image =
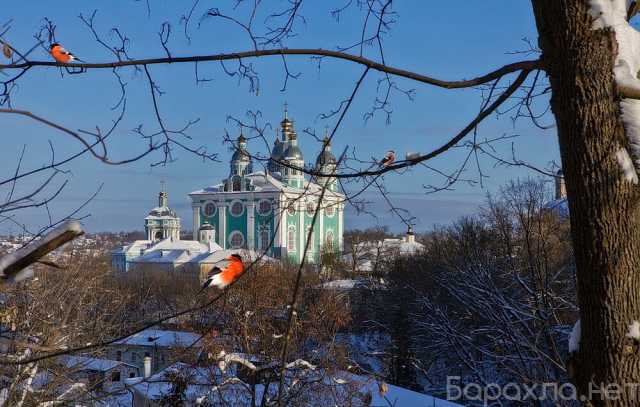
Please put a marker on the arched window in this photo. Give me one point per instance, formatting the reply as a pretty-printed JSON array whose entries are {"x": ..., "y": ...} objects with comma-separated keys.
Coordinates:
[
  {"x": 264, "y": 207},
  {"x": 237, "y": 208},
  {"x": 311, "y": 208},
  {"x": 291, "y": 239},
  {"x": 330, "y": 210},
  {"x": 236, "y": 239},
  {"x": 264, "y": 239},
  {"x": 209, "y": 209},
  {"x": 291, "y": 208},
  {"x": 310, "y": 238},
  {"x": 329, "y": 242},
  {"x": 237, "y": 186}
]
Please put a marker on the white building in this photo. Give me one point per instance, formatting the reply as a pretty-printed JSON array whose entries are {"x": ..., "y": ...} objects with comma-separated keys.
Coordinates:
[
  {"x": 365, "y": 256},
  {"x": 163, "y": 347},
  {"x": 103, "y": 374}
]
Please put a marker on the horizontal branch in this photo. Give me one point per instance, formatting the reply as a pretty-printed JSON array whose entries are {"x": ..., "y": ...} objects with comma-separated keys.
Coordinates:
[
  {"x": 506, "y": 69},
  {"x": 12, "y": 264},
  {"x": 629, "y": 92},
  {"x": 511, "y": 89}
]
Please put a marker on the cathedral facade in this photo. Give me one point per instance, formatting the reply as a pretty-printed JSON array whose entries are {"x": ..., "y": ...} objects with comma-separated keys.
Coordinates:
[{"x": 272, "y": 210}]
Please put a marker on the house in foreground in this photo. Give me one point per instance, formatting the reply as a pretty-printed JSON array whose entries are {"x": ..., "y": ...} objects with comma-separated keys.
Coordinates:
[
  {"x": 310, "y": 386},
  {"x": 163, "y": 347},
  {"x": 98, "y": 374}
]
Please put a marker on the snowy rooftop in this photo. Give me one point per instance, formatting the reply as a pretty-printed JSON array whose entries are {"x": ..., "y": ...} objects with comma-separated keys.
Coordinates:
[
  {"x": 161, "y": 338},
  {"x": 262, "y": 182},
  {"x": 201, "y": 380},
  {"x": 88, "y": 363}
]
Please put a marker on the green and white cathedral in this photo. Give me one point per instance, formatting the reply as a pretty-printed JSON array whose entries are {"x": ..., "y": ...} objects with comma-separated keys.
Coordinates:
[{"x": 272, "y": 210}]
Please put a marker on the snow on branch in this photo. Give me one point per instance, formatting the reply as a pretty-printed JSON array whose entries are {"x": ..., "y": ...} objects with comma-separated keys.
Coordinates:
[
  {"x": 13, "y": 266},
  {"x": 225, "y": 358},
  {"x": 300, "y": 364}
]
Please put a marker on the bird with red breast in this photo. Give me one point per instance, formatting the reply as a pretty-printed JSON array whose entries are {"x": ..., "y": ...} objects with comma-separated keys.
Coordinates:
[
  {"x": 388, "y": 159},
  {"x": 60, "y": 54},
  {"x": 223, "y": 277}
]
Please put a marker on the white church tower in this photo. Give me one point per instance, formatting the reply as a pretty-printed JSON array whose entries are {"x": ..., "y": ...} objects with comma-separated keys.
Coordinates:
[{"x": 162, "y": 222}]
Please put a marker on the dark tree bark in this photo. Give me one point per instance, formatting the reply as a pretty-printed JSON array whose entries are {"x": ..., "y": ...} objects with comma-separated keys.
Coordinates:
[{"x": 604, "y": 208}]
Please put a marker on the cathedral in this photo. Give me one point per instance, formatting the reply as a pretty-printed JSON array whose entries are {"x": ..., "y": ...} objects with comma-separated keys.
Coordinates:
[
  {"x": 266, "y": 211},
  {"x": 272, "y": 210}
]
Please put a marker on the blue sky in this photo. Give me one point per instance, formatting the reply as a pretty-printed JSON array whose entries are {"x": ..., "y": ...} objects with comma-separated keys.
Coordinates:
[{"x": 440, "y": 39}]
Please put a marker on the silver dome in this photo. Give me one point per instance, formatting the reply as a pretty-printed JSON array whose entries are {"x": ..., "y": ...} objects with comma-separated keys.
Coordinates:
[
  {"x": 206, "y": 226},
  {"x": 325, "y": 157},
  {"x": 276, "y": 153},
  {"x": 240, "y": 155},
  {"x": 293, "y": 152}
]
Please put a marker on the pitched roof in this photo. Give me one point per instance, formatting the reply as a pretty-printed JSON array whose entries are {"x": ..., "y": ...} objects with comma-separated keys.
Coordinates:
[
  {"x": 89, "y": 363},
  {"x": 161, "y": 338}
]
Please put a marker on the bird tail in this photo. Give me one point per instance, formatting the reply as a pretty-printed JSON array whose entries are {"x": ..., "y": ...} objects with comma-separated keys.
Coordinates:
[
  {"x": 75, "y": 58},
  {"x": 211, "y": 279}
]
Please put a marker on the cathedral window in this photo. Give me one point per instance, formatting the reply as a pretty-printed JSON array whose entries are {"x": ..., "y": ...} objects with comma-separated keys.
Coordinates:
[
  {"x": 330, "y": 210},
  {"x": 291, "y": 239},
  {"x": 237, "y": 208},
  {"x": 311, "y": 208},
  {"x": 264, "y": 239},
  {"x": 209, "y": 209},
  {"x": 291, "y": 208},
  {"x": 329, "y": 242},
  {"x": 236, "y": 239},
  {"x": 237, "y": 185},
  {"x": 264, "y": 207}
]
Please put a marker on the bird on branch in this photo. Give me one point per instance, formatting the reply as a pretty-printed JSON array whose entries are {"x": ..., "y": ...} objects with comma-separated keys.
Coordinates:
[
  {"x": 223, "y": 277},
  {"x": 388, "y": 159},
  {"x": 7, "y": 51},
  {"x": 60, "y": 54}
]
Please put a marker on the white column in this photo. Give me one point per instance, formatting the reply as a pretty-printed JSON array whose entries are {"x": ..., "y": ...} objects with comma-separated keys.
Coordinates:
[
  {"x": 251, "y": 205},
  {"x": 283, "y": 226},
  {"x": 222, "y": 223},
  {"x": 340, "y": 209},
  {"x": 277, "y": 239},
  {"x": 196, "y": 221},
  {"x": 302, "y": 231},
  {"x": 321, "y": 230}
]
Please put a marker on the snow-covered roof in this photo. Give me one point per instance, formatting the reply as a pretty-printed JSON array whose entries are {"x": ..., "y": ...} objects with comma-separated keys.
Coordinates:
[
  {"x": 162, "y": 212},
  {"x": 168, "y": 250},
  {"x": 209, "y": 383},
  {"x": 161, "y": 338},
  {"x": 265, "y": 182},
  {"x": 89, "y": 363},
  {"x": 394, "y": 395}
]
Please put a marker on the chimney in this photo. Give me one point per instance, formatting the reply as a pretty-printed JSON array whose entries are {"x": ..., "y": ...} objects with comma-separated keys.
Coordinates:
[
  {"x": 411, "y": 238},
  {"x": 147, "y": 366}
]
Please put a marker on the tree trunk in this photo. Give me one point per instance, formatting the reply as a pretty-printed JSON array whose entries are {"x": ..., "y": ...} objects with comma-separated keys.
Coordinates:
[{"x": 604, "y": 208}]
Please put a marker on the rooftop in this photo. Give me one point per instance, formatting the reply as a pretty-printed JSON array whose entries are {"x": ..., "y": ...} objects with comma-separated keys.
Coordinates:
[
  {"x": 161, "y": 338},
  {"x": 89, "y": 363}
]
